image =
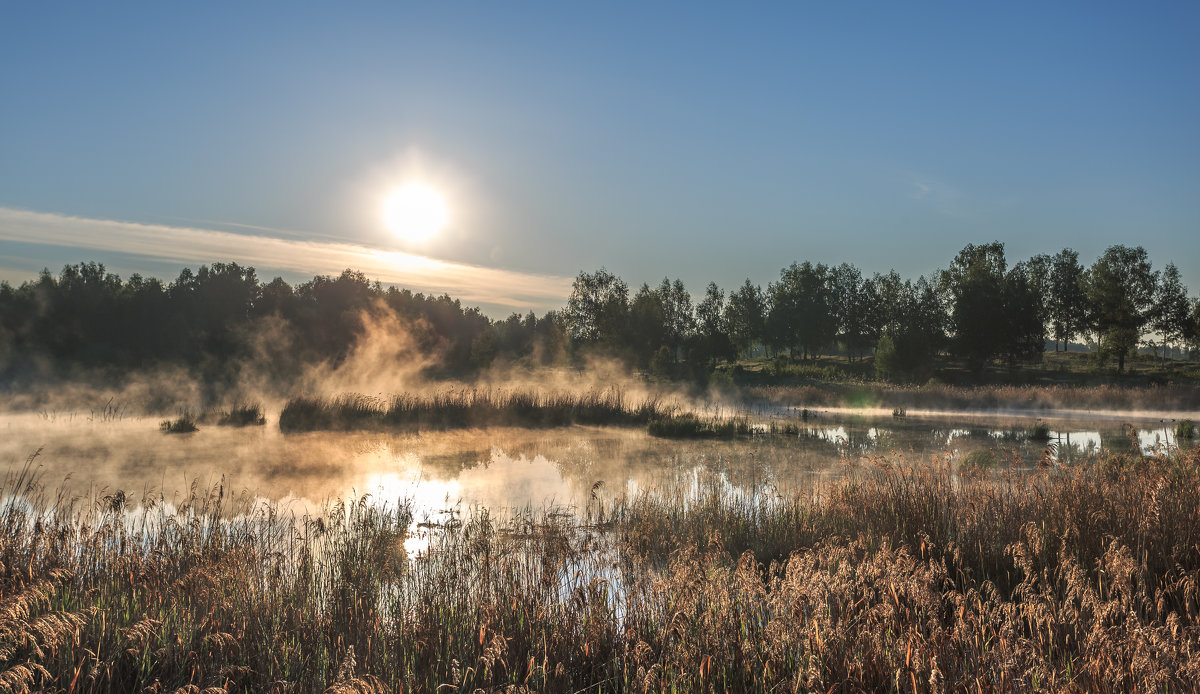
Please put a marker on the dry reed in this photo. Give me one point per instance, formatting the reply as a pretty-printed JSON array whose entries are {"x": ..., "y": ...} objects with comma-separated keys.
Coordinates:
[{"x": 896, "y": 577}]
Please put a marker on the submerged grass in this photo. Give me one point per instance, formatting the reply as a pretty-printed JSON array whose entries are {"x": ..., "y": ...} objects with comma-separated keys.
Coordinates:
[
  {"x": 471, "y": 407},
  {"x": 897, "y": 577}
]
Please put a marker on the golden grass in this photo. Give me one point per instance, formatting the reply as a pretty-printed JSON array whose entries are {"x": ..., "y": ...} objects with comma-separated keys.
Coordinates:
[{"x": 897, "y": 577}]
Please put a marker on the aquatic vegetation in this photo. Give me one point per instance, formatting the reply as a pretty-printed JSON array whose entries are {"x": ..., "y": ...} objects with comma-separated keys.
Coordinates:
[
  {"x": 184, "y": 424},
  {"x": 687, "y": 425},
  {"x": 1185, "y": 430},
  {"x": 1038, "y": 432},
  {"x": 899, "y": 572},
  {"x": 471, "y": 407},
  {"x": 242, "y": 415}
]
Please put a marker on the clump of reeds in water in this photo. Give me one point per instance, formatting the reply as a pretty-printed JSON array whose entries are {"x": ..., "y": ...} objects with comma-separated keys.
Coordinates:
[
  {"x": 242, "y": 415},
  {"x": 185, "y": 423},
  {"x": 897, "y": 577},
  {"x": 1038, "y": 432},
  {"x": 691, "y": 426},
  {"x": 1185, "y": 430},
  {"x": 470, "y": 407}
]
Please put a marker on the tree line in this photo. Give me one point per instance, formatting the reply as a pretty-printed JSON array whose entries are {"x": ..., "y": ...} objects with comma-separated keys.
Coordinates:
[{"x": 979, "y": 309}]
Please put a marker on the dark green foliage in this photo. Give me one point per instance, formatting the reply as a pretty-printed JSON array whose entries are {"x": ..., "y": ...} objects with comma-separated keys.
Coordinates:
[
  {"x": 745, "y": 316},
  {"x": 216, "y": 321},
  {"x": 1171, "y": 315},
  {"x": 597, "y": 311},
  {"x": 648, "y": 333},
  {"x": 1185, "y": 429},
  {"x": 801, "y": 318},
  {"x": 712, "y": 342},
  {"x": 1024, "y": 336},
  {"x": 213, "y": 318},
  {"x": 1121, "y": 289},
  {"x": 978, "y": 318},
  {"x": 1066, "y": 300}
]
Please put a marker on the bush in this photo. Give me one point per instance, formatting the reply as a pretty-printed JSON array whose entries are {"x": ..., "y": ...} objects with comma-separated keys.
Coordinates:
[{"x": 1185, "y": 430}]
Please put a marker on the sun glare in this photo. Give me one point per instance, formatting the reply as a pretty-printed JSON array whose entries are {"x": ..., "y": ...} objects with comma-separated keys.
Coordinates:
[{"x": 416, "y": 212}]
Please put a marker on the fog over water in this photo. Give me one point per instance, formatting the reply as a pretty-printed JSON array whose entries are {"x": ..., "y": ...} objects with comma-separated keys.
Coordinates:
[{"x": 501, "y": 468}]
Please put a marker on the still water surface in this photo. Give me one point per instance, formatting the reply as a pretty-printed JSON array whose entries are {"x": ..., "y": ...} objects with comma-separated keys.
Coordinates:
[{"x": 505, "y": 468}]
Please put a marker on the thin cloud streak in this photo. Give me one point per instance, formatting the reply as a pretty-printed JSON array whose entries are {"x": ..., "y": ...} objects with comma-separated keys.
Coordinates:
[{"x": 190, "y": 245}]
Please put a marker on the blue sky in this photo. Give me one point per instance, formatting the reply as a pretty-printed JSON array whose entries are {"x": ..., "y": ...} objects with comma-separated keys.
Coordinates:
[{"x": 707, "y": 142}]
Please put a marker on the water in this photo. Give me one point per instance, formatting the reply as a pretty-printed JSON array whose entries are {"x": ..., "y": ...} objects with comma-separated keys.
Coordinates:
[{"x": 513, "y": 468}]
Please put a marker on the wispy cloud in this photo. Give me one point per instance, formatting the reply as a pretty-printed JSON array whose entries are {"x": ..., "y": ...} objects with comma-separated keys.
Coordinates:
[
  {"x": 942, "y": 197},
  {"x": 190, "y": 246}
]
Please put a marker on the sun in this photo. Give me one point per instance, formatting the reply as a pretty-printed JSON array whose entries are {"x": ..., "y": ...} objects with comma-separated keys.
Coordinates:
[{"x": 416, "y": 212}]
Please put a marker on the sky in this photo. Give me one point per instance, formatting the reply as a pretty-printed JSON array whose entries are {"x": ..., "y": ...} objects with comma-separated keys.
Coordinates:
[{"x": 704, "y": 141}]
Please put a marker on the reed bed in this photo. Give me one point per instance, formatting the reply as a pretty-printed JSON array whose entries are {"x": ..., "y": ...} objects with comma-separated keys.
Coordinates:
[
  {"x": 690, "y": 426},
  {"x": 240, "y": 415},
  {"x": 471, "y": 407},
  {"x": 896, "y": 577}
]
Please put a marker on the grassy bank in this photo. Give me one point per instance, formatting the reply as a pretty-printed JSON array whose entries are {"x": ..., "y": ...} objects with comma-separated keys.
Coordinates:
[
  {"x": 897, "y": 577},
  {"x": 470, "y": 407},
  {"x": 980, "y": 398}
]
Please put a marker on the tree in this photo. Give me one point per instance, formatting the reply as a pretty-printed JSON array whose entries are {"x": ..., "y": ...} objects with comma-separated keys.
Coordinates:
[
  {"x": 1025, "y": 327},
  {"x": 801, "y": 314},
  {"x": 915, "y": 331},
  {"x": 745, "y": 316},
  {"x": 1067, "y": 301},
  {"x": 928, "y": 314},
  {"x": 853, "y": 298},
  {"x": 678, "y": 319},
  {"x": 975, "y": 282},
  {"x": 1193, "y": 336},
  {"x": 1038, "y": 270},
  {"x": 647, "y": 322},
  {"x": 712, "y": 330},
  {"x": 1172, "y": 310},
  {"x": 886, "y": 311},
  {"x": 598, "y": 310},
  {"x": 1121, "y": 288}
]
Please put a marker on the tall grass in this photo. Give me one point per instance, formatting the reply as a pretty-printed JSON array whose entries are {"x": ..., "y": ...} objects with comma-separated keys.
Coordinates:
[
  {"x": 897, "y": 577},
  {"x": 241, "y": 415},
  {"x": 690, "y": 426},
  {"x": 470, "y": 407}
]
